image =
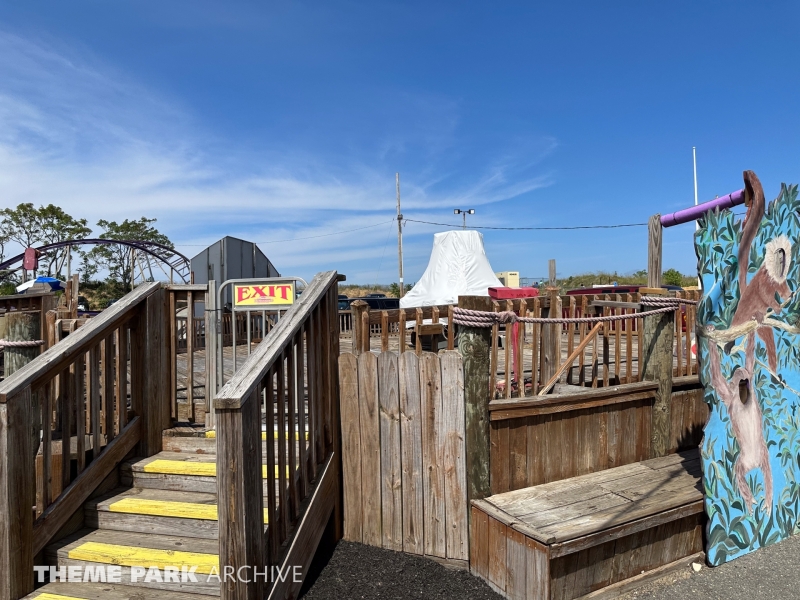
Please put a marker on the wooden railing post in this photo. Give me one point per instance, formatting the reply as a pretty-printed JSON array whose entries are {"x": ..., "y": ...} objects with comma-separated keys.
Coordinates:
[
  {"x": 474, "y": 344},
  {"x": 150, "y": 373},
  {"x": 241, "y": 506},
  {"x": 657, "y": 358},
  {"x": 358, "y": 308},
  {"x": 17, "y": 496},
  {"x": 654, "y": 248},
  {"x": 212, "y": 323}
]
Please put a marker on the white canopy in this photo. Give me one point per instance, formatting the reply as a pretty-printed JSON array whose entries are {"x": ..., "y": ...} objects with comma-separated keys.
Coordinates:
[{"x": 458, "y": 267}]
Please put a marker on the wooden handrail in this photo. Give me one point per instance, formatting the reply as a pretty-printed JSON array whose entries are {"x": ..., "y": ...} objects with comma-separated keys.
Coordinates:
[
  {"x": 37, "y": 372},
  {"x": 240, "y": 387}
]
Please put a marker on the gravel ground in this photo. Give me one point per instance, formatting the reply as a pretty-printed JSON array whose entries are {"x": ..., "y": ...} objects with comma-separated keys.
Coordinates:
[
  {"x": 357, "y": 571},
  {"x": 362, "y": 572},
  {"x": 772, "y": 573}
]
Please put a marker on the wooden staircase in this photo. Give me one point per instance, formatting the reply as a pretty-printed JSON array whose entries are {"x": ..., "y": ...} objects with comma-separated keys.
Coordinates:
[{"x": 164, "y": 516}]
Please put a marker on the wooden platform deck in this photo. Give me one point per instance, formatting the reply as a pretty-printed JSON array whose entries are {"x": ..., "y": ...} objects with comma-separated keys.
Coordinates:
[{"x": 593, "y": 533}]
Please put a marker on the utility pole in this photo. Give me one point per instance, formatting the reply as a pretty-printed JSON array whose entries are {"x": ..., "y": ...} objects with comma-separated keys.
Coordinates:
[{"x": 399, "y": 235}]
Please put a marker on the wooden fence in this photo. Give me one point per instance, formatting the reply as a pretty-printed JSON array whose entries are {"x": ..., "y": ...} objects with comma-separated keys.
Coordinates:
[
  {"x": 528, "y": 355},
  {"x": 289, "y": 384},
  {"x": 390, "y": 326},
  {"x": 404, "y": 453},
  {"x": 564, "y": 435},
  {"x": 101, "y": 392}
]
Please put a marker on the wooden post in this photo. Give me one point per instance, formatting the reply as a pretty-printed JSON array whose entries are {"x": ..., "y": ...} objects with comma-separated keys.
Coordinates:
[
  {"x": 358, "y": 308},
  {"x": 239, "y": 481},
  {"x": 654, "y": 244},
  {"x": 17, "y": 497},
  {"x": 551, "y": 337},
  {"x": 657, "y": 358},
  {"x": 21, "y": 326},
  {"x": 474, "y": 344},
  {"x": 156, "y": 400},
  {"x": 213, "y": 325}
]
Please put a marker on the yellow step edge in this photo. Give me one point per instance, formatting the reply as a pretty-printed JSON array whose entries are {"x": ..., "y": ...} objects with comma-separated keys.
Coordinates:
[
  {"x": 165, "y": 508},
  {"x": 211, "y": 434},
  {"x": 132, "y": 556},
  {"x": 49, "y": 596},
  {"x": 201, "y": 469}
]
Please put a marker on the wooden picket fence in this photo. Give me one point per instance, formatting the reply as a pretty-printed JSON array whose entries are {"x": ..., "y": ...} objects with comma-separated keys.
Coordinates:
[{"x": 403, "y": 452}]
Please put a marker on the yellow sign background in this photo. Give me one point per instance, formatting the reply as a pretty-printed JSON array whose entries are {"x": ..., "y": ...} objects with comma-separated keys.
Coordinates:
[{"x": 264, "y": 295}]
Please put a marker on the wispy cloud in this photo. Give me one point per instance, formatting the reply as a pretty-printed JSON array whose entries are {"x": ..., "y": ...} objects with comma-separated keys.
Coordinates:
[{"x": 78, "y": 133}]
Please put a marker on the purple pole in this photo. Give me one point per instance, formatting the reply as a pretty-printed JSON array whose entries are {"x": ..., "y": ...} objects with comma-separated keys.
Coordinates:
[{"x": 695, "y": 212}]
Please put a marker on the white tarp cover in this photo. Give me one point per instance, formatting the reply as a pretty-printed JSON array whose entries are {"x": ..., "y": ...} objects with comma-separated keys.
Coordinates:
[{"x": 458, "y": 267}]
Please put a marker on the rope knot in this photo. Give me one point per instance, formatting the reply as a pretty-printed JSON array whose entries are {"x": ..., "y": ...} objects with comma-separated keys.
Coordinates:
[{"x": 507, "y": 316}]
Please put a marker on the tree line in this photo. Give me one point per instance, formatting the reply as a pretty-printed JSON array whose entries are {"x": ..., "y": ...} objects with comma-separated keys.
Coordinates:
[{"x": 29, "y": 227}]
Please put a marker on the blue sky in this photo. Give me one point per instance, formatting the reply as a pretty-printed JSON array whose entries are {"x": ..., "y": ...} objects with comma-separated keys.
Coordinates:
[{"x": 274, "y": 121}]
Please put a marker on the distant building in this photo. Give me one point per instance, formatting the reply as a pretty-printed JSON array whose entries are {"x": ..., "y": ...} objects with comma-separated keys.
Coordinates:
[
  {"x": 231, "y": 258},
  {"x": 508, "y": 278}
]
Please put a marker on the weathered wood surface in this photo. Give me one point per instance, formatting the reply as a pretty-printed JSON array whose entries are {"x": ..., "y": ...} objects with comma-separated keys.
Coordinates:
[
  {"x": 410, "y": 431},
  {"x": 21, "y": 326},
  {"x": 585, "y": 534},
  {"x": 390, "y": 463},
  {"x": 658, "y": 367},
  {"x": 565, "y": 435}
]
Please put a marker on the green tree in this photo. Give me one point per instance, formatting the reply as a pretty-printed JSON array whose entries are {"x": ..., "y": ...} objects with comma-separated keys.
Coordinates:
[
  {"x": 119, "y": 259},
  {"x": 394, "y": 290},
  {"x": 672, "y": 277},
  {"x": 29, "y": 226}
]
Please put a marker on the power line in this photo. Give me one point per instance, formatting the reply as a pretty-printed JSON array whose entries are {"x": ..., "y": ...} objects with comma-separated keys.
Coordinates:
[
  {"x": 533, "y": 228},
  {"x": 312, "y": 237}
]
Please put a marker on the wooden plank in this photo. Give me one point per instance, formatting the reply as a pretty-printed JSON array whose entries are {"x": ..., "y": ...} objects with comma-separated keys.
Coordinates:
[
  {"x": 351, "y": 446},
  {"x": 537, "y": 573},
  {"x": 384, "y": 331},
  {"x": 17, "y": 484},
  {"x": 606, "y": 353},
  {"x": 241, "y": 515},
  {"x": 595, "y": 362},
  {"x": 370, "y": 449},
  {"x": 66, "y": 410},
  {"x": 535, "y": 342},
  {"x": 272, "y": 509},
  {"x": 494, "y": 362},
  {"x": 509, "y": 343},
  {"x": 562, "y": 407},
  {"x": 450, "y": 329},
  {"x": 520, "y": 363},
  {"x": 516, "y": 565},
  {"x": 190, "y": 355},
  {"x": 411, "y": 459},
  {"x": 455, "y": 476},
  {"x": 93, "y": 397},
  {"x": 45, "y": 489},
  {"x": 432, "y": 455},
  {"x": 390, "y": 459},
  {"x": 418, "y": 329},
  {"x": 479, "y": 543},
  {"x": 107, "y": 367},
  {"x": 618, "y": 345},
  {"x": 303, "y": 415},
  {"x": 518, "y": 453},
  {"x": 282, "y": 525},
  {"x": 292, "y": 434},
  {"x": 497, "y": 554},
  {"x": 79, "y": 491},
  {"x": 500, "y": 458},
  {"x": 78, "y": 381},
  {"x": 402, "y": 330},
  {"x": 153, "y": 376}
]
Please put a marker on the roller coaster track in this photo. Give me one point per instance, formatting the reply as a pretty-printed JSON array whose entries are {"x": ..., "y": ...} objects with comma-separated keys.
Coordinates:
[{"x": 172, "y": 263}]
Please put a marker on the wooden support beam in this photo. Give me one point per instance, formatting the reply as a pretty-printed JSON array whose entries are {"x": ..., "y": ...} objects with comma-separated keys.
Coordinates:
[
  {"x": 659, "y": 331},
  {"x": 358, "y": 308},
  {"x": 17, "y": 476},
  {"x": 654, "y": 248},
  {"x": 474, "y": 344},
  {"x": 571, "y": 358}
]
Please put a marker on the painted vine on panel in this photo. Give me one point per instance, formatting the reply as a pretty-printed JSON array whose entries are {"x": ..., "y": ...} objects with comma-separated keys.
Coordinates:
[{"x": 747, "y": 324}]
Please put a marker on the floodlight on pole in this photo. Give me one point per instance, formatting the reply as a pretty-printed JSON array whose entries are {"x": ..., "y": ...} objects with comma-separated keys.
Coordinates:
[{"x": 464, "y": 212}]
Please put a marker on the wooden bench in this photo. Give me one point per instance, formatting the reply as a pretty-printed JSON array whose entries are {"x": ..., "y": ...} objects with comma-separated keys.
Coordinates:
[{"x": 591, "y": 536}]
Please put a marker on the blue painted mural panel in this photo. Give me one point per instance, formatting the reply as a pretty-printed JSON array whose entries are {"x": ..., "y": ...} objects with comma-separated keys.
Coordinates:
[{"x": 749, "y": 351}]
